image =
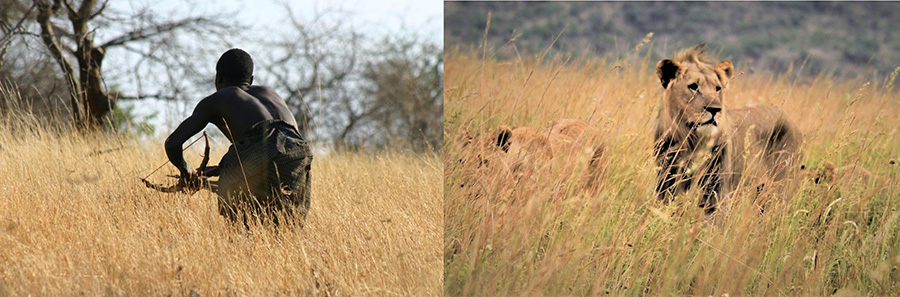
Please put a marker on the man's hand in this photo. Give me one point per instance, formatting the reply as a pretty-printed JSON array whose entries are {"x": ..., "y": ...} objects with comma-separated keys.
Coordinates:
[
  {"x": 190, "y": 182},
  {"x": 187, "y": 183}
]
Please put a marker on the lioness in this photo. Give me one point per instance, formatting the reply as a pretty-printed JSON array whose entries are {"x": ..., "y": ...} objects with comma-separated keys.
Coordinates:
[
  {"x": 700, "y": 141},
  {"x": 512, "y": 148},
  {"x": 569, "y": 137},
  {"x": 521, "y": 150}
]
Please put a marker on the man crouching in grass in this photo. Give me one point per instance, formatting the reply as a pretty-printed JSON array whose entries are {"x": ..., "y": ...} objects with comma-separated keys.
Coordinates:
[{"x": 266, "y": 169}]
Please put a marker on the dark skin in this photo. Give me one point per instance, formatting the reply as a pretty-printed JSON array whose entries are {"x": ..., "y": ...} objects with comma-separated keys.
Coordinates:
[{"x": 234, "y": 108}]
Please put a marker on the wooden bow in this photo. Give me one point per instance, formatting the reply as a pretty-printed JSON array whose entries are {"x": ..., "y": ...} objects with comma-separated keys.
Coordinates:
[{"x": 190, "y": 184}]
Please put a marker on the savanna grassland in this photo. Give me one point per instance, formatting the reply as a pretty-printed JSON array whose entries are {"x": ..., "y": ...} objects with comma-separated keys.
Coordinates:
[
  {"x": 541, "y": 233},
  {"x": 76, "y": 220}
]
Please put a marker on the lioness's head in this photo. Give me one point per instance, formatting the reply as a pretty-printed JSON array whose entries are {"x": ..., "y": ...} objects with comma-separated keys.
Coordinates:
[
  {"x": 821, "y": 174},
  {"x": 693, "y": 86},
  {"x": 510, "y": 145}
]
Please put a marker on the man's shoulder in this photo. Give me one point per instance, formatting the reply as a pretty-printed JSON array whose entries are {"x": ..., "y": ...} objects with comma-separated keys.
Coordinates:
[
  {"x": 264, "y": 92},
  {"x": 258, "y": 88},
  {"x": 235, "y": 93},
  {"x": 261, "y": 87},
  {"x": 221, "y": 93},
  {"x": 220, "y": 97},
  {"x": 231, "y": 92}
]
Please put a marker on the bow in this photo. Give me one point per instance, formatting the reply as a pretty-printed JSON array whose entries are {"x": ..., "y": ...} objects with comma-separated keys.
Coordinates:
[{"x": 190, "y": 184}]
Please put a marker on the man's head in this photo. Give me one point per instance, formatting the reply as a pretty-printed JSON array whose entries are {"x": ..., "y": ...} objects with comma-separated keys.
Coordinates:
[{"x": 235, "y": 67}]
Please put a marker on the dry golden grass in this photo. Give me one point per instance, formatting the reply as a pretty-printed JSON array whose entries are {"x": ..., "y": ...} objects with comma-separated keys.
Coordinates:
[
  {"x": 539, "y": 233},
  {"x": 74, "y": 222}
]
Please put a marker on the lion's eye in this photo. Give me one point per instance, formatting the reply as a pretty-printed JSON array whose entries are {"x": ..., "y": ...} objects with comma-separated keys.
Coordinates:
[
  {"x": 718, "y": 88},
  {"x": 693, "y": 86}
]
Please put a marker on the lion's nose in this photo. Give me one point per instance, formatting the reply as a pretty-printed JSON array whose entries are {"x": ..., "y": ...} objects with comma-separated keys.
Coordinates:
[{"x": 713, "y": 109}]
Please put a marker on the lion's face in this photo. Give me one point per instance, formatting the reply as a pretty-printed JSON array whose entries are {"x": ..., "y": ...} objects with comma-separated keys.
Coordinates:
[{"x": 693, "y": 91}]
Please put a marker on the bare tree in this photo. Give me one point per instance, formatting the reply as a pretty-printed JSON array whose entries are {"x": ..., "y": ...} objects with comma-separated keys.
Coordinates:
[
  {"x": 314, "y": 66},
  {"x": 28, "y": 80},
  {"x": 354, "y": 91},
  {"x": 9, "y": 30},
  {"x": 67, "y": 33},
  {"x": 404, "y": 80}
]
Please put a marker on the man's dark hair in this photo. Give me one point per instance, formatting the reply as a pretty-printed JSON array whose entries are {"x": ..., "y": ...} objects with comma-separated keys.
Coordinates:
[{"x": 235, "y": 66}]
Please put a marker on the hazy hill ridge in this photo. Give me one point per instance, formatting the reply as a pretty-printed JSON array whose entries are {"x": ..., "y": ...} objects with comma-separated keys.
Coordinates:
[{"x": 847, "y": 38}]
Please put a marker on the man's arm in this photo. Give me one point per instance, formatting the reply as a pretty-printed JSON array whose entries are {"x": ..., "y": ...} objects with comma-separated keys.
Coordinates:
[{"x": 190, "y": 126}]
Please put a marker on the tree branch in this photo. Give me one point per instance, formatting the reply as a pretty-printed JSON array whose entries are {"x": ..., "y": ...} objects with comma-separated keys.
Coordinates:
[
  {"x": 99, "y": 11},
  {"x": 7, "y": 40},
  {"x": 144, "y": 96},
  {"x": 68, "y": 6},
  {"x": 144, "y": 33},
  {"x": 148, "y": 56}
]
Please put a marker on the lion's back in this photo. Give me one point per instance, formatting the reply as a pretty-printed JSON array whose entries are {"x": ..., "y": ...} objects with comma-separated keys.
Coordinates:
[{"x": 768, "y": 125}]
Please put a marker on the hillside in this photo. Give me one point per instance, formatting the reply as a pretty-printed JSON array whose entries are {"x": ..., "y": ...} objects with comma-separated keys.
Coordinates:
[{"x": 850, "y": 39}]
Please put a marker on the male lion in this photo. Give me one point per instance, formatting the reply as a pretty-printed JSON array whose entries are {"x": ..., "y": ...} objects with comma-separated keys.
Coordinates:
[{"x": 700, "y": 141}]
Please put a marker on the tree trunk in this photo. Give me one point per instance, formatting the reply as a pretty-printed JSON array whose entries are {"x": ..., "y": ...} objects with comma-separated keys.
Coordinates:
[
  {"x": 99, "y": 102},
  {"x": 90, "y": 102},
  {"x": 45, "y": 11}
]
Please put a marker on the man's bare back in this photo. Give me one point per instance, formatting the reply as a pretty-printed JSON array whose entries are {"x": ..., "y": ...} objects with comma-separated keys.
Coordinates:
[
  {"x": 234, "y": 108},
  {"x": 242, "y": 107}
]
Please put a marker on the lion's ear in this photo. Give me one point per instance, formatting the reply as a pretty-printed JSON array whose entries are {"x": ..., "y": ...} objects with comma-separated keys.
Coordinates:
[
  {"x": 726, "y": 68},
  {"x": 667, "y": 70},
  {"x": 503, "y": 136}
]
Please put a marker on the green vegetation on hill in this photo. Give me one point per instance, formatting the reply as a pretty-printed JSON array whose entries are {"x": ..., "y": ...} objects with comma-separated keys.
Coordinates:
[{"x": 849, "y": 39}]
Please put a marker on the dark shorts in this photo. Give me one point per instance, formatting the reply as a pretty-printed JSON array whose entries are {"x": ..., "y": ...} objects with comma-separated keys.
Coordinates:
[{"x": 266, "y": 171}]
